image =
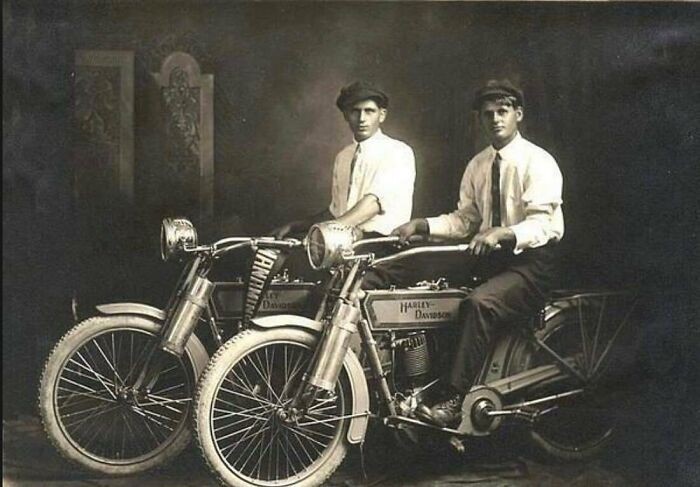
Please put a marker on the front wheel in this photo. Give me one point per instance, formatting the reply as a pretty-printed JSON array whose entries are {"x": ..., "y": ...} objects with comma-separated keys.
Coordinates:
[
  {"x": 242, "y": 420},
  {"x": 91, "y": 412}
]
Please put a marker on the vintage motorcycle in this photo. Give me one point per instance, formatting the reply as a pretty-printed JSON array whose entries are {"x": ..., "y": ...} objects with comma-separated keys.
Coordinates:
[
  {"x": 280, "y": 403},
  {"x": 116, "y": 391}
]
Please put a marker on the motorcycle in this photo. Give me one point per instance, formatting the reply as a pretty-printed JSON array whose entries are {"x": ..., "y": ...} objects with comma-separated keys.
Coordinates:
[
  {"x": 281, "y": 402},
  {"x": 116, "y": 391}
]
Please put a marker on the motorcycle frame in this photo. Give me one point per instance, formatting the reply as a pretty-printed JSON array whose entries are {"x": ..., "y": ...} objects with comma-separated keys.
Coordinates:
[{"x": 331, "y": 351}]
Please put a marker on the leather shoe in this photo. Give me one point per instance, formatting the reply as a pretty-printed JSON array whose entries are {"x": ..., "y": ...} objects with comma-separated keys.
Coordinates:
[{"x": 444, "y": 414}]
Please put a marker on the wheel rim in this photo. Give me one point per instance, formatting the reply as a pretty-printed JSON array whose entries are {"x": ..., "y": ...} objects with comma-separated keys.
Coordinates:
[
  {"x": 581, "y": 422},
  {"x": 249, "y": 434},
  {"x": 100, "y": 413}
]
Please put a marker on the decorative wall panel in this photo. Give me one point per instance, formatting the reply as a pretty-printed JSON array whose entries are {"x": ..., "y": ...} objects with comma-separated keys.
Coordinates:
[
  {"x": 104, "y": 128},
  {"x": 187, "y": 105}
]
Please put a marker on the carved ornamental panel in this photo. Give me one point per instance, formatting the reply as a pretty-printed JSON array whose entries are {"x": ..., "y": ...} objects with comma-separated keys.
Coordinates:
[
  {"x": 104, "y": 128},
  {"x": 187, "y": 106}
]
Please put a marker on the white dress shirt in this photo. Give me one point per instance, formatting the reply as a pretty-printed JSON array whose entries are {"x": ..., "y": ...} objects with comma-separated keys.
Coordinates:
[
  {"x": 385, "y": 168},
  {"x": 531, "y": 186}
]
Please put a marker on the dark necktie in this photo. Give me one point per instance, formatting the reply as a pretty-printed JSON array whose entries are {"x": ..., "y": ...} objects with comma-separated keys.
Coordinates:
[
  {"x": 355, "y": 157},
  {"x": 496, "y": 191}
]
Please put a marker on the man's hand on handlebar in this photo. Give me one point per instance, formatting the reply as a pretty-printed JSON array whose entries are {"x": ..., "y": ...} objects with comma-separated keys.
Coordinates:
[
  {"x": 289, "y": 229},
  {"x": 491, "y": 239},
  {"x": 417, "y": 226}
]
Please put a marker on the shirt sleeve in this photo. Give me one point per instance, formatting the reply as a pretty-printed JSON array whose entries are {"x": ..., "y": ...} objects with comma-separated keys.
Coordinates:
[
  {"x": 540, "y": 199},
  {"x": 464, "y": 222},
  {"x": 392, "y": 183},
  {"x": 334, "y": 206}
]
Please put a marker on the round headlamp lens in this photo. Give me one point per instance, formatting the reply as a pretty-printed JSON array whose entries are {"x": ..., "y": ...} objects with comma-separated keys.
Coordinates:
[
  {"x": 315, "y": 247},
  {"x": 327, "y": 243},
  {"x": 175, "y": 234}
]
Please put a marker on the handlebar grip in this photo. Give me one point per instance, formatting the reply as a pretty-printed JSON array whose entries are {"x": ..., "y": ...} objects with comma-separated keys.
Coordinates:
[{"x": 418, "y": 239}]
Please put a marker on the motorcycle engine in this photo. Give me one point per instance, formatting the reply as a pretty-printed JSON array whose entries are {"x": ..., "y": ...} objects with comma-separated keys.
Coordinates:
[{"x": 413, "y": 359}]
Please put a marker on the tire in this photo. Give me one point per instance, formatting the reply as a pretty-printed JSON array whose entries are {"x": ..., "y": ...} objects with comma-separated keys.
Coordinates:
[
  {"x": 221, "y": 403},
  {"x": 583, "y": 424},
  {"x": 83, "y": 400}
]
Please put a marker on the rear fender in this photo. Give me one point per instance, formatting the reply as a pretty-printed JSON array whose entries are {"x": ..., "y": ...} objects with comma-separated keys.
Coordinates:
[
  {"x": 509, "y": 345},
  {"x": 358, "y": 382}
]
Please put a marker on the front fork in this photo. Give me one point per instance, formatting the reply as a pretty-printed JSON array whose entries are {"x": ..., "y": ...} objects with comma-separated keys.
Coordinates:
[
  {"x": 328, "y": 358},
  {"x": 177, "y": 331}
]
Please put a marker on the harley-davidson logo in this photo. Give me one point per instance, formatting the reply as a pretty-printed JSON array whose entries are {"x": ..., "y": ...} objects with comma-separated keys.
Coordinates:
[
  {"x": 421, "y": 310},
  {"x": 283, "y": 301}
]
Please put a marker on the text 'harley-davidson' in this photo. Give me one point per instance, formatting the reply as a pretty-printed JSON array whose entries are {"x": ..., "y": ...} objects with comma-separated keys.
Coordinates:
[
  {"x": 116, "y": 392},
  {"x": 279, "y": 403}
]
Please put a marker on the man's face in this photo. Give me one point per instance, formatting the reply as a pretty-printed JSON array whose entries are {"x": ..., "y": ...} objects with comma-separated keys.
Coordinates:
[
  {"x": 500, "y": 122},
  {"x": 364, "y": 119}
]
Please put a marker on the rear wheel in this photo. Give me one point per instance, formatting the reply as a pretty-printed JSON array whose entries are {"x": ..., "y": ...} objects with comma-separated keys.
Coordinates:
[
  {"x": 90, "y": 411},
  {"x": 241, "y": 416},
  {"x": 590, "y": 339}
]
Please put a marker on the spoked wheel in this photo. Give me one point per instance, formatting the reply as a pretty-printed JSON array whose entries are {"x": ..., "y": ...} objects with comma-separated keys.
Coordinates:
[
  {"x": 92, "y": 413},
  {"x": 245, "y": 428},
  {"x": 589, "y": 339}
]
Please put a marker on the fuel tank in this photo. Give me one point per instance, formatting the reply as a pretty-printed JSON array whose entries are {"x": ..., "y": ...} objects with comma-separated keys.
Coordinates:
[
  {"x": 408, "y": 309},
  {"x": 228, "y": 299}
]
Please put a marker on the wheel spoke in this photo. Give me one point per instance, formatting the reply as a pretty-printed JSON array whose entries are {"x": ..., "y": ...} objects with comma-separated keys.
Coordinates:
[
  {"x": 598, "y": 365},
  {"x": 596, "y": 335},
  {"x": 138, "y": 360},
  {"x": 584, "y": 339},
  {"x": 105, "y": 409},
  {"x": 72, "y": 393},
  {"x": 262, "y": 375},
  {"x": 104, "y": 419},
  {"x": 98, "y": 376},
  {"x": 249, "y": 434},
  {"x": 296, "y": 435},
  {"x": 246, "y": 396}
]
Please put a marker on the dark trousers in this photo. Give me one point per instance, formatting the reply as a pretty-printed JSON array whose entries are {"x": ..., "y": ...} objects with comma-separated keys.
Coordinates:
[{"x": 515, "y": 286}]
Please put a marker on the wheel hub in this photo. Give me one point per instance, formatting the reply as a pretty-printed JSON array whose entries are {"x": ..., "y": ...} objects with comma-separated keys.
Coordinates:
[
  {"x": 288, "y": 416},
  {"x": 129, "y": 396}
]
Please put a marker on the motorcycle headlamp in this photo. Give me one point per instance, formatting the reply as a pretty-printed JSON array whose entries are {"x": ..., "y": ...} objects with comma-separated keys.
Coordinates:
[
  {"x": 175, "y": 234},
  {"x": 328, "y": 242}
]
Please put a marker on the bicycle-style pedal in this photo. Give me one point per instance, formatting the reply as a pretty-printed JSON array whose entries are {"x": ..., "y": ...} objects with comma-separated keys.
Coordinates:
[{"x": 457, "y": 444}]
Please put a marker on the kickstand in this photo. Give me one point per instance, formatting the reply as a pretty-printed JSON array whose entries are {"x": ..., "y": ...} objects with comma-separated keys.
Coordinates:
[{"x": 362, "y": 460}]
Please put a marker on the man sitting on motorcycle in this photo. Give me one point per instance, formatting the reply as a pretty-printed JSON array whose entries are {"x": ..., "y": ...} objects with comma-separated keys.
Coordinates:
[
  {"x": 510, "y": 211},
  {"x": 373, "y": 177}
]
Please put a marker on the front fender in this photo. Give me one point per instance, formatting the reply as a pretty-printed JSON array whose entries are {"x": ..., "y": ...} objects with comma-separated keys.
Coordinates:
[
  {"x": 358, "y": 381},
  {"x": 198, "y": 353},
  {"x": 296, "y": 321},
  {"x": 132, "y": 309}
]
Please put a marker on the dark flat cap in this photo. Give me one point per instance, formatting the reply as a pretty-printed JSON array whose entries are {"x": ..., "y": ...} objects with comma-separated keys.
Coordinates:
[
  {"x": 494, "y": 88},
  {"x": 359, "y": 91}
]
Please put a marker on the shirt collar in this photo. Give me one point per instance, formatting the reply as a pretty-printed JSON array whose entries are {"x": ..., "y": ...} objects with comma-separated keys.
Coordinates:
[
  {"x": 378, "y": 135},
  {"x": 509, "y": 148}
]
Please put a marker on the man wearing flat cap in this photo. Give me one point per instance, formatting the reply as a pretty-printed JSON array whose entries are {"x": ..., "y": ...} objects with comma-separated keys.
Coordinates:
[
  {"x": 510, "y": 211},
  {"x": 373, "y": 177}
]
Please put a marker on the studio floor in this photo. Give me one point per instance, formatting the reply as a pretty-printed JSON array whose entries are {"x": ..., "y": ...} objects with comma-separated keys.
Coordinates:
[{"x": 30, "y": 461}]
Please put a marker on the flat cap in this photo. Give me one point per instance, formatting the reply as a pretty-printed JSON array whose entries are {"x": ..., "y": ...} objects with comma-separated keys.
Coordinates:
[
  {"x": 495, "y": 88},
  {"x": 359, "y": 91}
]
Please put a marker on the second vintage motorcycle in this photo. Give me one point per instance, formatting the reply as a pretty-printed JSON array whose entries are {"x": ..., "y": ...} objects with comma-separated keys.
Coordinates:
[
  {"x": 116, "y": 392},
  {"x": 280, "y": 403}
]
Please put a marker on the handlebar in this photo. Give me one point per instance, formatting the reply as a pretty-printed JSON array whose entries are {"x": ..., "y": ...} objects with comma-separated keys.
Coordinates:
[
  {"x": 428, "y": 249},
  {"x": 431, "y": 249},
  {"x": 229, "y": 244},
  {"x": 392, "y": 239}
]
